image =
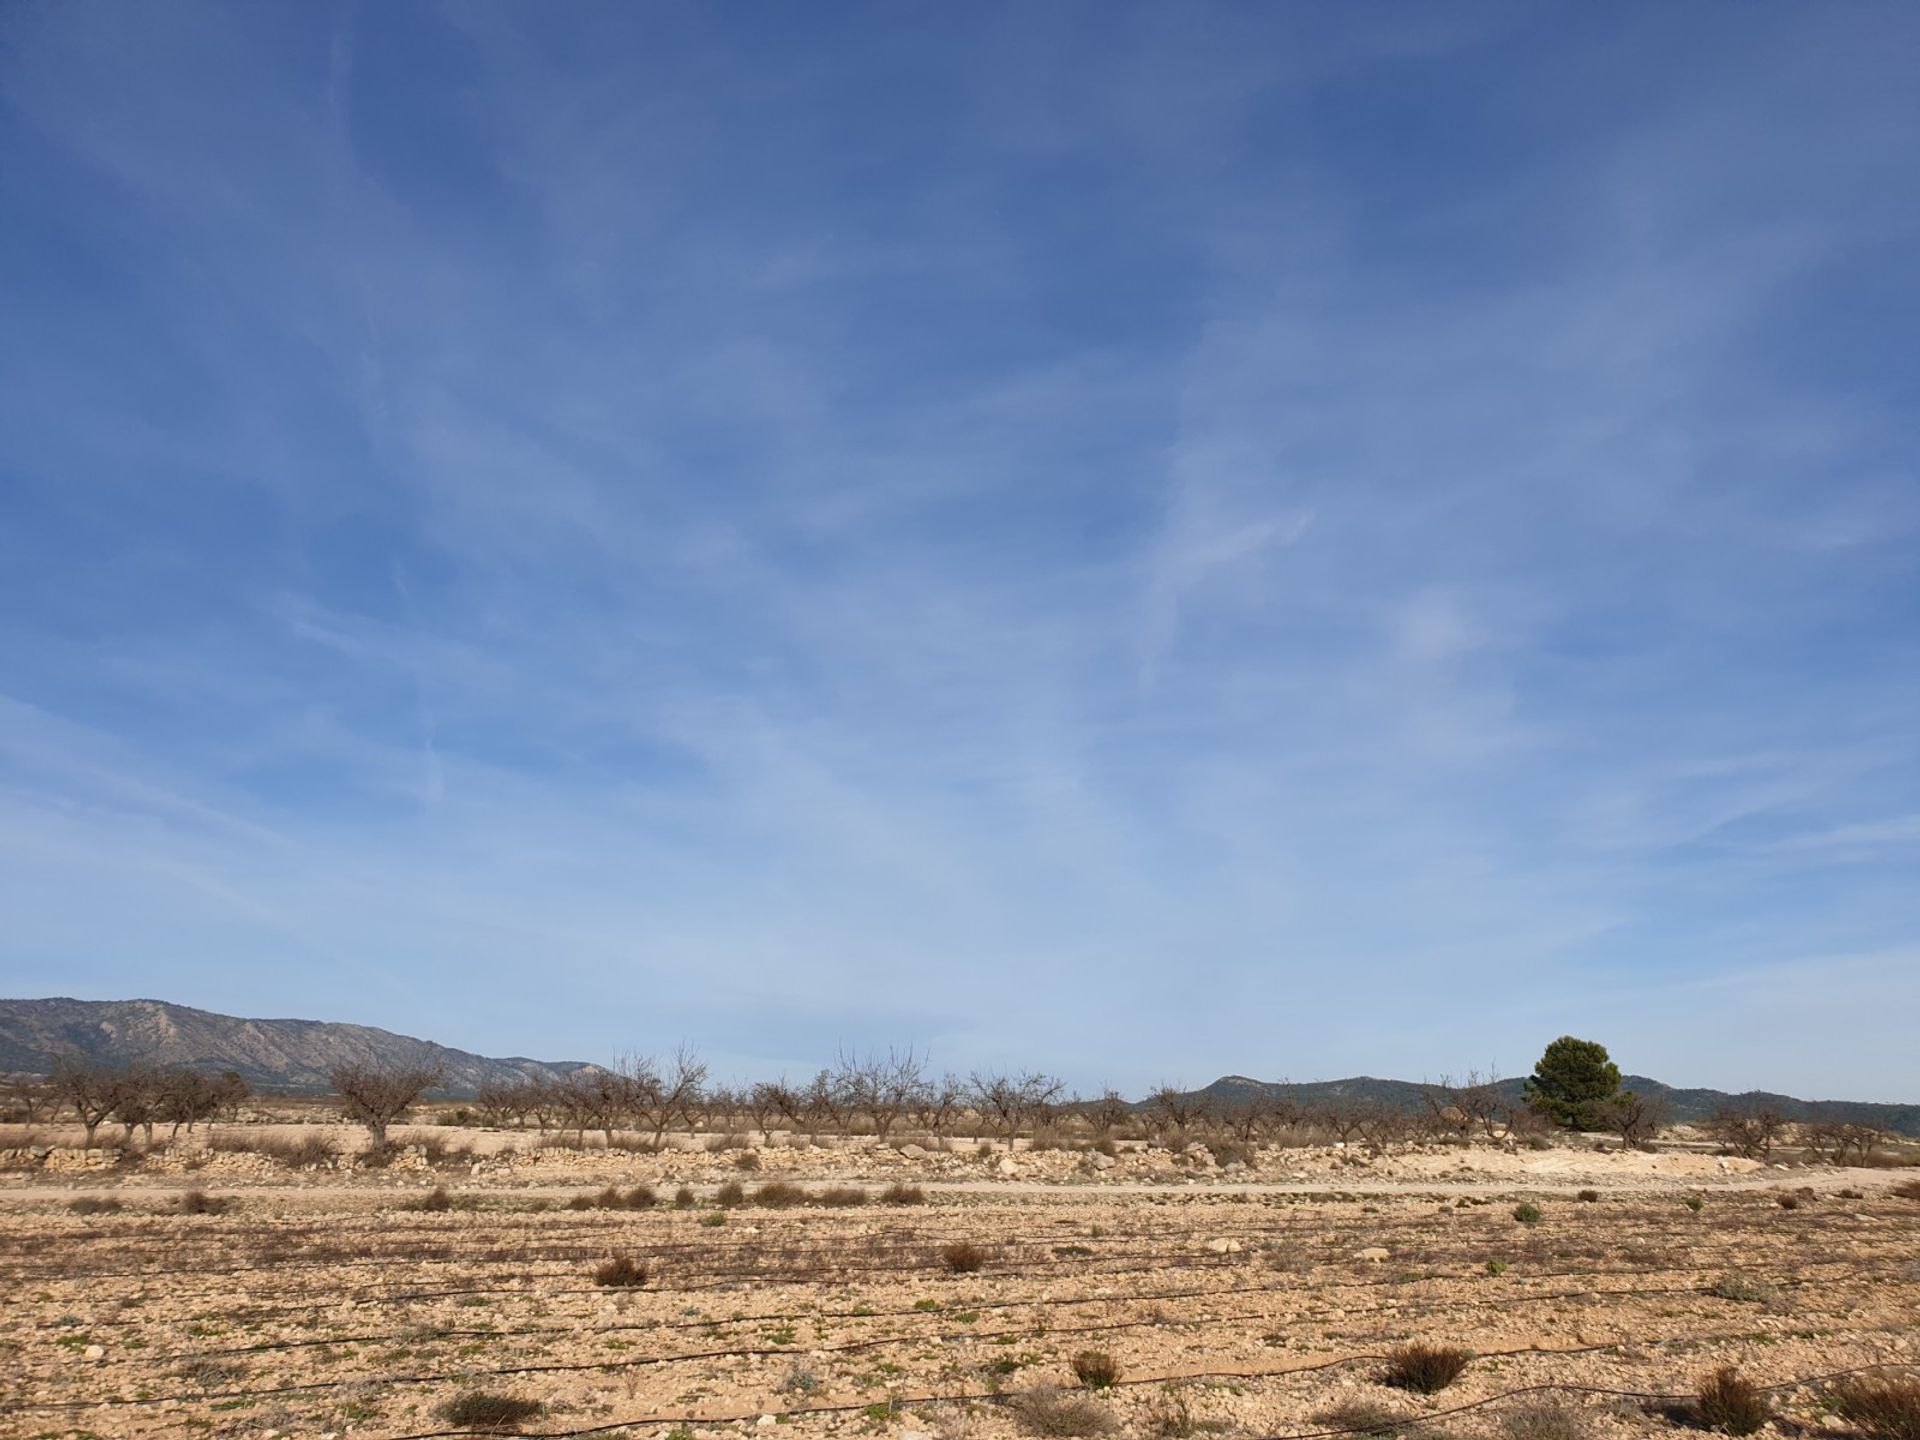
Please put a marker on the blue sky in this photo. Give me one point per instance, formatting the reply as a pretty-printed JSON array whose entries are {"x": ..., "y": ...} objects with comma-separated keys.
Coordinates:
[{"x": 1143, "y": 540}]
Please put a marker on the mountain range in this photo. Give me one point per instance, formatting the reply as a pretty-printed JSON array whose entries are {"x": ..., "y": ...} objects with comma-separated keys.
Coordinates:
[
  {"x": 287, "y": 1055},
  {"x": 296, "y": 1055}
]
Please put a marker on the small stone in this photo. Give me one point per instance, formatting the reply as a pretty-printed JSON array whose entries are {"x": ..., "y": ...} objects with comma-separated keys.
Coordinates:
[
  {"x": 1373, "y": 1254},
  {"x": 1224, "y": 1246},
  {"x": 765, "y": 1420},
  {"x": 913, "y": 1152},
  {"x": 94, "y": 1352}
]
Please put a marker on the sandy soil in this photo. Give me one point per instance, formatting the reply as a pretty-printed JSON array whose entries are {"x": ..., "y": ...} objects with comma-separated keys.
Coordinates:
[{"x": 323, "y": 1304}]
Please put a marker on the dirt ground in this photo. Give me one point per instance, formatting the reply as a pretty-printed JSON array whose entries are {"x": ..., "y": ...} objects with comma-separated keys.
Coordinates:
[{"x": 1258, "y": 1304}]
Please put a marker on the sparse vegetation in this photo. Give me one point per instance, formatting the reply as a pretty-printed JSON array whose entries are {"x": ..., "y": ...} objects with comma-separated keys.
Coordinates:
[
  {"x": 963, "y": 1257},
  {"x": 1095, "y": 1369},
  {"x": 490, "y": 1414},
  {"x": 1527, "y": 1213},
  {"x": 1424, "y": 1368},
  {"x": 1734, "y": 1285},
  {"x": 1363, "y": 1417},
  {"x": 1730, "y": 1403},
  {"x": 1545, "y": 1420},
  {"x": 198, "y": 1202},
  {"x": 1879, "y": 1407},
  {"x": 621, "y": 1273},
  {"x": 779, "y": 1195},
  {"x": 899, "y": 1194},
  {"x": 1059, "y": 1413}
]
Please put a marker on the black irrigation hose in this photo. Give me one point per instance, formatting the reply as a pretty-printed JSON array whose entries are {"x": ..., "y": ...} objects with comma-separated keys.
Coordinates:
[
  {"x": 815, "y": 1317},
  {"x": 1644, "y": 1396},
  {"x": 1263, "y": 1230},
  {"x": 661, "y": 1251},
  {"x": 753, "y": 1352}
]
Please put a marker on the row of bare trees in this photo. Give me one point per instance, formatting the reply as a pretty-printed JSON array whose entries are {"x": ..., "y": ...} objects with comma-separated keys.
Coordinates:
[
  {"x": 135, "y": 1097},
  {"x": 1753, "y": 1128},
  {"x": 880, "y": 1093},
  {"x": 872, "y": 1094}
]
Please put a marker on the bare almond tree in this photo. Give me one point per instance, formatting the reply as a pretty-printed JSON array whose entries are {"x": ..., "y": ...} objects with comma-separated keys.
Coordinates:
[
  {"x": 662, "y": 1093},
  {"x": 1006, "y": 1102},
  {"x": 375, "y": 1096},
  {"x": 881, "y": 1087},
  {"x": 1748, "y": 1128},
  {"x": 186, "y": 1098},
  {"x": 1634, "y": 1117},
  {"x": 92, "y": 1090}
]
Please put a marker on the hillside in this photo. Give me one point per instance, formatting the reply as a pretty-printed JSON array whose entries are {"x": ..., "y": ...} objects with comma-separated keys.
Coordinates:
[
  {"x": 289, "y": 1055},
  {"x": 1688, "y": 1105}
]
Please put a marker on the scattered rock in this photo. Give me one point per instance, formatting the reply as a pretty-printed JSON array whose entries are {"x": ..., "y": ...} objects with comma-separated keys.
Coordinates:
[
  {"x": 94, "y": 1352},
  {"x": 1374, "y": 1254},
  {"x": 1224, "y": 1246}
]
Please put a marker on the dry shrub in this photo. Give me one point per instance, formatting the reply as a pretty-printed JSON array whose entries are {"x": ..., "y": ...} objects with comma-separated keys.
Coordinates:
[
  {"x": 435, "y": 1199},
  {"x": 1095, "y": 1369},
  {"x": 683, "y": 1198},
  {"x": 898, "y": 1194},
  {"x": 1170, "y": 1416},
  {"x": 301, "y": 1154},
  {"x": 1363, "y": 1417},
  {"x": 1059, "y": 1413},
  {"x": 1788, "y": 1202},
  {"x": 963, "y": 1257},
  {"x": 1423, "y": 1368},
  {"x": 1546, "y": 1420},
  {"x": 779, "y": 1195},
  {"x": 495, "y": 1414},
  {"x": 1527, "y": 1213},
  {"x": 1589, "y": 1196},
  {"x": 640, "y": 1197},
  {"x": 842, "y": 1197},
  {"x": 623, "y": 1273},
  {"x": 198, "y": 1202},
  {"x": 1884, "y": 1409},
  {"x": 730, "y": 1194},
  {"x": 1735, "y": 1286},
  {"x": 95, "y": 1205},
  {"x": 1731, "y": 1403}
]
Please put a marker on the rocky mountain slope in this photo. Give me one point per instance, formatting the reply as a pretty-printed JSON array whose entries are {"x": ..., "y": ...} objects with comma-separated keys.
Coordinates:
[{"x": 272, "y": 1054}]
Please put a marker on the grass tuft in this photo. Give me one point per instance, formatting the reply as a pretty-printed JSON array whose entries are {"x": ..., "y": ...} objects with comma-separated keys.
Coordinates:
[
  {"x": 1731, "y": 1403},
  {"x": 1096, "y": 1370},
  {"x": 1423, "y": 1368},
  {"x": 1059, "y": 1413},
  {"x": 493, "y": 1414},
  {"x": 1883, "y": 1409},
  {"x": 621, "y": 1273},
  {"x": 963, "y": 1257}
]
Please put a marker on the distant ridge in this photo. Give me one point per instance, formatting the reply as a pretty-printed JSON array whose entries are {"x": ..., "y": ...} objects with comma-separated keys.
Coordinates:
[
  {"x": 289, "y": 1055},
  {"x": 1687, "y": 1104},
  {"x": 295, "y": 1056}
]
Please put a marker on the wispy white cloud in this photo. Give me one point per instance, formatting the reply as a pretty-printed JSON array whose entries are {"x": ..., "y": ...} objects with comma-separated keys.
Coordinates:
[{"x": 1114, "y": 562}]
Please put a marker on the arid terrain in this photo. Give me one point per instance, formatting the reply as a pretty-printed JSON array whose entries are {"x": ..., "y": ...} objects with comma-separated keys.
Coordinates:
[{"x": 309, "y": 1302}]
